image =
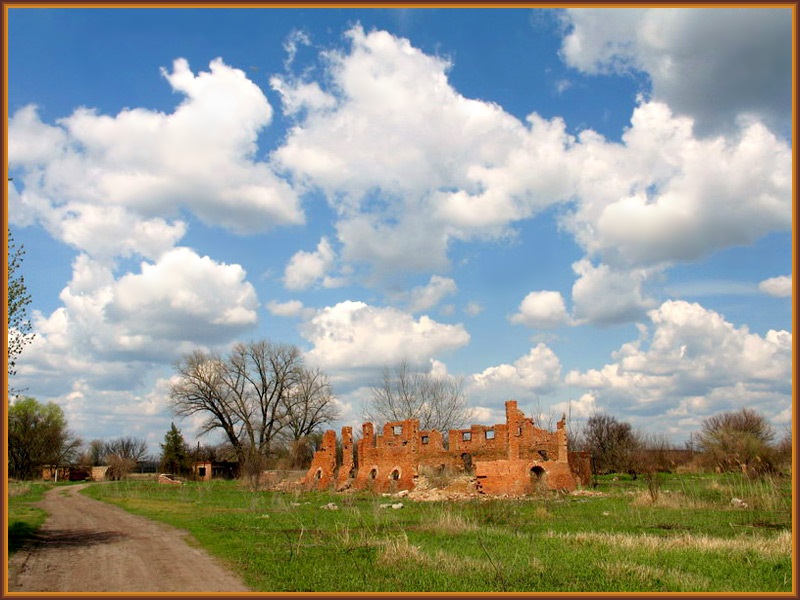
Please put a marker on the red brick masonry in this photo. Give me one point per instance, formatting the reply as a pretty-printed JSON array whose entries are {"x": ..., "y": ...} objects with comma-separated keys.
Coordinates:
[{"x": 514, "y": 458}]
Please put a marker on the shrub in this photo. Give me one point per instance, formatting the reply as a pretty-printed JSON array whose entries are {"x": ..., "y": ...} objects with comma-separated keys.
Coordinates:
[{"x": 738, "y": 441}]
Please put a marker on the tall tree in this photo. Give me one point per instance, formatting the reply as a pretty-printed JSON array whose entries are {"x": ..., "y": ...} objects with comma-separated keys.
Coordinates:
[
  {"x": 174, "y": 452},
  {"x": 19, "y": 326},
  {"x": 438, "y": 402},
  {"x": 38, "y": 436},
  {"x": 246, "y": 394}
]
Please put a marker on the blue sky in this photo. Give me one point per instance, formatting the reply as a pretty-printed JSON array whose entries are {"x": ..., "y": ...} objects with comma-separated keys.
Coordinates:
[{"x": 584, "y": 210}]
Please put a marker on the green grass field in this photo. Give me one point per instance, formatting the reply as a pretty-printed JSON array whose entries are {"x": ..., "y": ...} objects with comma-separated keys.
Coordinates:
[
  {"x": 24, "y": 518},
  {"x": 611, "y": 538}
]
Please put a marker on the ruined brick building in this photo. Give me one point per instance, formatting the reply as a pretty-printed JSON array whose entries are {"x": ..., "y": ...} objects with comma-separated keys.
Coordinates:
[{"x": 514, "y": 458}]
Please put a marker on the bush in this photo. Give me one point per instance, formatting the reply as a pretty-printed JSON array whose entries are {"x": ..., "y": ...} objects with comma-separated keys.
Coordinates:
[
  {"x": 119, "y": 467},
  {"x": 738, "y": 441}
]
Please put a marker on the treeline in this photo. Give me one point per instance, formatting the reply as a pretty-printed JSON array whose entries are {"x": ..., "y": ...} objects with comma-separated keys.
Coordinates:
[
  {"x": 741, "y": 441},
  {"x": 38, "y": 437}
]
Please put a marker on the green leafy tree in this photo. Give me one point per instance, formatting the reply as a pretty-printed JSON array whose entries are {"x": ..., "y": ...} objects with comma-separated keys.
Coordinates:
[
  {"x": 19, "y": 326},
  {"x": 174, "y": 452},
  {"x": 38, "y": 436}
]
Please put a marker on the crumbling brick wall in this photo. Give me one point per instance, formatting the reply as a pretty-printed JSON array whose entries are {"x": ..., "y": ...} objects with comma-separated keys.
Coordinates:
[
  {"x": 514, "y": 458},
  {"x": 322, "y": 472},
  {"x": 388, "y": 462}
]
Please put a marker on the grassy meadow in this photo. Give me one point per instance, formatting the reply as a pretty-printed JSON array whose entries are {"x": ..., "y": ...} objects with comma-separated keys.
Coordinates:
[{"x": 680, "y": 535}]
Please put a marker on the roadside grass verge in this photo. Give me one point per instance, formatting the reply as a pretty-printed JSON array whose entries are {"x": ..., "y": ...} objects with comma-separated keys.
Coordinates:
[
  {"x": 24, "y": 519},
  {"x": 607, "y": 539}
]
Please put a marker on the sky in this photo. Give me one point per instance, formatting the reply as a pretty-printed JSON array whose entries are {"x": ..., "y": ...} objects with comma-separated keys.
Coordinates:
[{"x": 584, "y": 210}]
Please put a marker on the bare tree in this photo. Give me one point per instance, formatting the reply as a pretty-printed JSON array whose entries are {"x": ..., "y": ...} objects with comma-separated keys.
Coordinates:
[
  {"x": 94, "y": 454},
  {"x": 309, "y": 405},
  {"x": 246, "y": 394},
  {"x": 122, "y": 455},
  {"x": 130, "y": 448},
  {"x": 201, "y": 390},
  {"x": 438, "y": 402},
  {"x": 612, "y": 443}
]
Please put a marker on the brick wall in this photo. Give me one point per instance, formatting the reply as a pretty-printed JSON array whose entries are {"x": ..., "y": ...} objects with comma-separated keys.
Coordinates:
[{"x": 513, "y": 458}]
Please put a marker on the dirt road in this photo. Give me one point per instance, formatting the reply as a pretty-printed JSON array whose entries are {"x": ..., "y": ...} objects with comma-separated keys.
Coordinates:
[{"x": 90, "y": 546}]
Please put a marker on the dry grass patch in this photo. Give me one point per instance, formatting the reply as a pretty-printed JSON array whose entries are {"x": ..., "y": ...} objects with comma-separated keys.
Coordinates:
[
  {"x": 18, "y": 488},
  {"x": 670, "y": 500},
  {"x": 455, "y": 565},
  {"x": 398, "y": 550},
  {"x": 348, "y": 538},
  {"x": 542, "y": 513},
  {"x": 674, "y": 578},
  {"x": 448, "y": 522},
  {"x": 769, "y": 547}
]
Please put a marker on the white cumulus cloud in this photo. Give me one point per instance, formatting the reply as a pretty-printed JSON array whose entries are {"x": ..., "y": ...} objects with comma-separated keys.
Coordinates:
[
  {"x": 307, "y": 268},
  {"x": 355, "y": 334},
  {"x": 147, "y": 165},
  {"x": 425, "y": 297},
  {"x": 406, "y": 161},
  {"x": 692, "y": 363},
  {"x": 114, "y": 331},
  {"x": 674, "y": 197},
  {"x": 603, "y": 296},
  {"x": 291, "y": 308},
  {"x": 539, "y": 371},
  {"x": 410, "y": 165},
  {"x": 780, "y": 287},
  {"x": 185, "y": 297},
  {"x": 542, "y": 310}
]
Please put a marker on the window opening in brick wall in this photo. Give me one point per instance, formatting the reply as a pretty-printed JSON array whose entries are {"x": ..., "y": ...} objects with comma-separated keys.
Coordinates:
[
  {"x": 425, "y": 439},
  {"x": 395, "y": 475},
  {"x": 397, "y": 430},
  {"x": 466, "y": 436},
  {"x": 490, "y": 434}
]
